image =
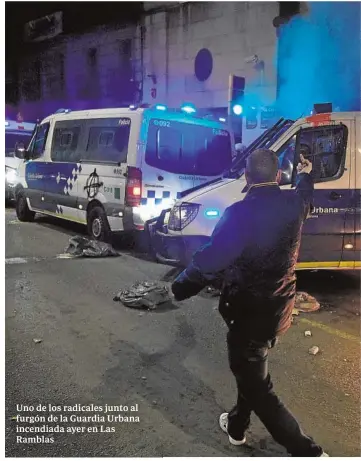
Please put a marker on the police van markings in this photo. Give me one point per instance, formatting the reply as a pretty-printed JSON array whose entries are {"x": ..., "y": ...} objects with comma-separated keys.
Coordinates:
[{"x": 154, "y": 198}]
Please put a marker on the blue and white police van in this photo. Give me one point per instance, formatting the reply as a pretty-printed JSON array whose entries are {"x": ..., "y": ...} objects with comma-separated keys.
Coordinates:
[
  {"x": 332, "y": 234},
  {"x": 114, "y": 169},
  {"x": 17, "y": 137}
]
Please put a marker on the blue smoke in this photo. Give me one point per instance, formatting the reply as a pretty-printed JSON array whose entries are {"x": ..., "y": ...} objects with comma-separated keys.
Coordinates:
[{"x": 319, "y": 59}]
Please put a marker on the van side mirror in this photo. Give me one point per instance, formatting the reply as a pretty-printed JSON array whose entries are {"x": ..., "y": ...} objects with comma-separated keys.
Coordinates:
[{"x": 20, "y": 150}]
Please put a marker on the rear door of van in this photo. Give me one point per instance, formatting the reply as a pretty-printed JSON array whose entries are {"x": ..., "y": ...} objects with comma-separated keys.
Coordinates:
[{"x": 180, "y": 155}]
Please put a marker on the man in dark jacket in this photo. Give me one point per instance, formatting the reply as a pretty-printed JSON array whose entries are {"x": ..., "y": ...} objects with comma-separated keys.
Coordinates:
[{"x": 254, "y": 250}]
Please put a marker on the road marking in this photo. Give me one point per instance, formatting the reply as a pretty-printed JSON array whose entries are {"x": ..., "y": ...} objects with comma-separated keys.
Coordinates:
[
  {"x": 35, "y": 259},
  {"x": 16, "y": 260},
  {"x": 15, "y": 221},
  {"x": 332, "y": 331}
]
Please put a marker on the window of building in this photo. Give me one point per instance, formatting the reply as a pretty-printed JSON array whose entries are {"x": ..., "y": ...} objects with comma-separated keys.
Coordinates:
[
  {"x": 65, "y": 143},
  {"x": 186, "y": 148},
  {"x": 107, "y": 140}
]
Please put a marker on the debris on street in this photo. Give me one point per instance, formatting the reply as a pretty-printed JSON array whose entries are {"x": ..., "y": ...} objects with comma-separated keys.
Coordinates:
[
  {"x": 144, "y": 295},
  {"x": 213, "y": 292},
  {"x": 295, "y": 312},
  {"x": 308, "y": 333},
  {"x": 82, "y": 246},
  {"x": 314, "y": 350},
  {"x": 305, "y": 302},
  {"x": 37, "y": 340}
]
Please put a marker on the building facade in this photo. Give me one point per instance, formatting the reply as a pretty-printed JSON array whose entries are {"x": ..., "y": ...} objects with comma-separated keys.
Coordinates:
[
  {"x": 178, "y": 51},
  {"x": 291, "y": 54},
  {"x": 190, "y": 49}
]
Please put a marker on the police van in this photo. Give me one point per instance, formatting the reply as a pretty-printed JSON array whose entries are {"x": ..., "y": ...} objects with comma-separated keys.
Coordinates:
[
  {"x": 18, "y": 134},
  {"x": 331, "y": 235},
  {"x": 113, "y": 169}
]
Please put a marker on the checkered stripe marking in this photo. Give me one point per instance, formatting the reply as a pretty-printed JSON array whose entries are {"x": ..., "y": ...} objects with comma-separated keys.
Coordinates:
[
  {"x": 154, "y": 198},
  {"x": 72, "y": 178},
  {"x": 59, "y": 209}
]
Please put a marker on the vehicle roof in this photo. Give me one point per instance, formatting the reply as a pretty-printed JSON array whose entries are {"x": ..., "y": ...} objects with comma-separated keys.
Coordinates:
[
  {"x": 126, "y": 111},
  {"x": 330, "y": 115},
  {"x": 11, "y": 125}
]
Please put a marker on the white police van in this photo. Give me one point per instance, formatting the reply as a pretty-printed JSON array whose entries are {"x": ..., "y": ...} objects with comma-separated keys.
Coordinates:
[
  {"x": 17, "y": 137},
  {"x": 332, "y": 234},
  {"x": 113, "y": 169}
]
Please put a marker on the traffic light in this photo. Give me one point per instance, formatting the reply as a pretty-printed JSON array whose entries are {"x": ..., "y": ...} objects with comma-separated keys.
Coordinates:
[
  {"x": 236, "y": 104},
  {"x": 236, "y": 95}
]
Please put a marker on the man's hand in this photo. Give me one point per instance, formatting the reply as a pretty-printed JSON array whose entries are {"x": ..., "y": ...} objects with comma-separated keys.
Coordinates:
[{"x": 305, "y": 166}]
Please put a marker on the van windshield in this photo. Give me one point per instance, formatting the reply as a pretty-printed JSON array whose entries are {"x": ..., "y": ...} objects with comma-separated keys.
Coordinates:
[
  {"x": 12, "y": 138},
  {"x": 265, "y": 141},
  {"x": 188, "y": 148}
]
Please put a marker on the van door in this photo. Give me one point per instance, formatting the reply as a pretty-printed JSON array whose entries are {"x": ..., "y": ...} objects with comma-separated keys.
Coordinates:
[
  {"x": 180, "y": 156},
  {"x": 166, "y": 170},
  {"x": 62, "y": 171},
  {"x": 103, "y": 167},
  {"x": 211, "y": 149},
  {"x": 35, "y": 170},
  {"x": 355, "y": 215},
  {"x": 328, "y": 147}
]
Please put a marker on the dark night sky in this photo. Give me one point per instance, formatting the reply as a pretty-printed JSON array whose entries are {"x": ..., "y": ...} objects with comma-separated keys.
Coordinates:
[{"x": 77, "y": 16}]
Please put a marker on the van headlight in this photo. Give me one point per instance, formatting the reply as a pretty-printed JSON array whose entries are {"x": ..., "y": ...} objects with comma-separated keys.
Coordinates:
[
  {"x": 182, "y": 215},
  {"x": 11, "y": 175}
]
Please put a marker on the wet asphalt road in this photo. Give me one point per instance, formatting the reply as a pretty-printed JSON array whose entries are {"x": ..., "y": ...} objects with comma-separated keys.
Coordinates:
[{"x": 172, "y": 363}]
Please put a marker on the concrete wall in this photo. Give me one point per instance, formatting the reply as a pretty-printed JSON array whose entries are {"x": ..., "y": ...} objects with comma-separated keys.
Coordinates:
[
  {"x": 105, "y": 85},
  {"x": 171, "y": 39},
  {"x": 231, "y": 31}
]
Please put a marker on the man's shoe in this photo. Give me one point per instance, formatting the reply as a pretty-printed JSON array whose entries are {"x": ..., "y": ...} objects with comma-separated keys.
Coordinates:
[{"x": 223, "y": 424}]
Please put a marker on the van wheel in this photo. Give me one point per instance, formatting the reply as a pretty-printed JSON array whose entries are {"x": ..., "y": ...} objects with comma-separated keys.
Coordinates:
[
  {"x": 98, "y": 226},
  {"x": 23, "y": 212}
]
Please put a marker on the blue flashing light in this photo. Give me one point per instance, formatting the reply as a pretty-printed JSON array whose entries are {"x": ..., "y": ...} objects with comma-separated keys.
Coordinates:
[
  {"x": 237, "y": 109},
  {"x": 188, "y": 108},
  {"x": 222, "y": 119},
  {"x": 7, "y": 123},
  {"x": 160, "y": 107},
  {"x": 63, "y": 111},
  {"x": 132, "y": 107},
  {"x": 212, "y": 213}
]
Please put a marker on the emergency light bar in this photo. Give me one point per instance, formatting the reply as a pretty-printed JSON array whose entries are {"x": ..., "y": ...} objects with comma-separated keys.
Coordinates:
[{"x": 323, "y": 108}]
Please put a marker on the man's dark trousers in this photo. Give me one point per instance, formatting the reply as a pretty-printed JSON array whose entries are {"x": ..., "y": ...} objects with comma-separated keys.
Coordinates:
[{"x": 249, "y": 363}]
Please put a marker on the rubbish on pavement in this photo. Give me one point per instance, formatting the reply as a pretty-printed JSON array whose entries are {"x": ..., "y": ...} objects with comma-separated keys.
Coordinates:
[
  {"x": 144, "y": 295},
  {"x": 308, "y": 333},
  {"x": 144, "y": 377},
  {"x": 295, "y": 312},
  {"x": 82, "y": 246},
  {"x": 305, "y": 302},
  {"x": 37, "y": 340},
  {"x": 212, "y": 291},
  {"x": 314, "y": 350}
]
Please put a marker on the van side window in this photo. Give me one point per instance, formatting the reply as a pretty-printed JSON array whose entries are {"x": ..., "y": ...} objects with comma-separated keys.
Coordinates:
[
  {"x": 38, "y": 145},
  {"x": 325, "y": 147},
  {"x": 65, "y": 143},
  {"x": 107, "y": 140}
]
